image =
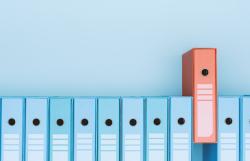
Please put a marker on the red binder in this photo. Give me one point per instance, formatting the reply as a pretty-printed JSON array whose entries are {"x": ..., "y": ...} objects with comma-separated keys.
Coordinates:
[{"x": 199, "y": 79}]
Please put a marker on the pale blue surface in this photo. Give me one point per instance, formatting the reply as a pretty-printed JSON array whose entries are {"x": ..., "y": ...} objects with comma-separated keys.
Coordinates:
[
  {"x": 181, "y": 107},
  {"x": 108, "y": 108},
  {"x": 156, "y": 108},
  {"x": 132, "y": 108},
  {"x": 244, "y": 127},
  {"x": 61, "y": 109},
  {"x": 36, "y": 108},
  {"x": 227, "y": 107},
  {"x": 85, "y": 108},
  {"x": 12, "y": 108},
  {"x": 118, "y": 47}
]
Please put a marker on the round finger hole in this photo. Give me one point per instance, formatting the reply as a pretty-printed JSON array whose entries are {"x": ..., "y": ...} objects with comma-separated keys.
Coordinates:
[
  {"x": 157, "y": 121},
  {"x": 108, "y": 122},
  {"x": 84, "y": 122},
  {"x": 36, "y": 122},
  {"x": 12, "y": 122},
  {"x": 60, "y": 122},
  {"x": 133, "y": 122},
  {"x": 181, "y": 121},
  {"x": 204, "y": 72},
  {"x": 228, "y": 121}
]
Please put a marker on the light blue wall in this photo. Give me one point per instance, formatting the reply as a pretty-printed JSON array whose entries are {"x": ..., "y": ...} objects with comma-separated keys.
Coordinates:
[{"x": 112, "y": 47}]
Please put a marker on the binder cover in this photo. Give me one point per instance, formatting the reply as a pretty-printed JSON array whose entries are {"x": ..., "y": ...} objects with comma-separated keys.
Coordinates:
[
  {"x": 85, "y": 129},
  {"x": 156, "y": 129},
  {"x": 227, "y": 148},
  {"x": 132, "y": 129},
  {"x": 108, "y": 129},
  {"x": 245, "y": 129},
  {"x": 180, "y": 129},
  {"x": 37, "y": 128},
  {"x": 12, "y": 131},
  {"x": 61, "y": 148},
  {"x": 200, "y": 81}
]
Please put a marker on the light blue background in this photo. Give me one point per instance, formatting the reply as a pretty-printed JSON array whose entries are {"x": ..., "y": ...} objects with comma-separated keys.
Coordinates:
[{"x": 112, "y": 47}]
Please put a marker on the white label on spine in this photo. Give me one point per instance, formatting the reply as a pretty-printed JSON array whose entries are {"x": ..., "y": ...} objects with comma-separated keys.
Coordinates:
[
  {"x": 247, "y": 146},
  {"x": 133, "y": 149},
  {"x": 11, "y": 147},
  {"x": 181, "y": 150},
  {"x": 108, "y": 147},
  {"x": 60, "y": 147},
  {"x": 35, "y": 147},
  {"x": 205, "y": 118},
  {"x": 156, "y": 146},
  {"x": 84, "y": 147},
  {"x": 228, "y": 146},
  {"x": 205, "y": 110}
]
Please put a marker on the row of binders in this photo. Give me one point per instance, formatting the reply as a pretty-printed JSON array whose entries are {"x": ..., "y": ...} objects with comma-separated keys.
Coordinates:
[{"x": 118, "y": 129}]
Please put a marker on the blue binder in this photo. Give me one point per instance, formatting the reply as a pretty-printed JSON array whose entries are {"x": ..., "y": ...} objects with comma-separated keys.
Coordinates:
[
  {"x": 36, "y": 129},
  {"x": 85, "y": 129},
  {"x": 12, "y": 131},
  {"x": 61, "y": 129},
  {"x": 132, "y": 129},
  {"x": 156, "y": 129},
  {"x": 108, "y": 129},
  {"x": 227, "y": 147},
  {"x": 245, "y": 129},
  {"x": 180, "y": 129}
]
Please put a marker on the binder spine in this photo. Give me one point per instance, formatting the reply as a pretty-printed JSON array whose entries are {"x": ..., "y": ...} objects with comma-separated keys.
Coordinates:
[
  {"x": 85, "y": 129},
  {"x": 96, "y": 131},
  {"x": 72, "y": 130},
  {"x": 245, "y": 128},
  {"x": 61, "y": 129},
  {"x": 228, "y": 144},
  {"x": 24, "y": 128},
  {"x": 228, "y": 128},
  {"x": 200, "y": 81},
  {"x": 241, "y": 131},
  {"x": 1, "y": 132},
  {"x": 48, "y": 131},
  {"x": 120, "y": 129},
  {"x": 156, "y": 116},
  {"x": 108, "y": 131},
  {"x": 12, "y": 135},
  {"x": 132, "y": 126},
  {"x": 180, "y": 129},
  {"x": 36, "y": 129},
  {"x": 145, "y": 146}
]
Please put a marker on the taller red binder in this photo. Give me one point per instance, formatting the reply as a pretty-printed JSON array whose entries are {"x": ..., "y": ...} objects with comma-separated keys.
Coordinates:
[{"x": 199, "y": 79}]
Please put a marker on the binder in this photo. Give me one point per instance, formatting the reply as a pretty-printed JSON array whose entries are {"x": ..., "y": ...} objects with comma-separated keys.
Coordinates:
[
  {"x": 12, "y": 132},
  {"x": 84, "y": 129},
  {"x": 36, "y": 129},
  {"x": 227, "y": 148},
  {"x": 245, "y": 128},
  {"x": 180, "y": 129},
  {"x": 108, "y": 129},
  {"x": 132, "y": 129},
  {"x": 156, "y": 129},
  {"x": 199, "y": 79},
  {"x": 61, "y": 129}
]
